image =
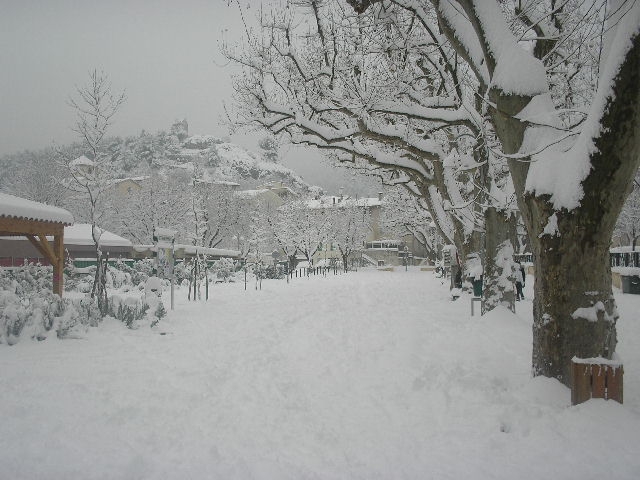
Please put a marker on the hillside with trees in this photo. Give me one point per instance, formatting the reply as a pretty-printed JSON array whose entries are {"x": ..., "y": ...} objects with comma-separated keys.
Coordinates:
[{"x": 170, "y": 179}]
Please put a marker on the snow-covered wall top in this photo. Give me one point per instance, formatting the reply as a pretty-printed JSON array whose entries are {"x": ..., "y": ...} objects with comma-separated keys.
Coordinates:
[
  {"x": 16, "y": 207},
  {"x": 191, "y": 250}
]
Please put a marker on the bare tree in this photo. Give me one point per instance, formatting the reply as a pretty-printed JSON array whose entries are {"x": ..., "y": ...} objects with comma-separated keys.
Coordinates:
[
  {"x": 161, "y": 201},
  {"x": 405, "y": 214},
  {"x": 350, "y": 223},
  {"x": 36, "y": 176},
  {"x": 302, "y": 228},
  {"x": 95, "y": 106}
]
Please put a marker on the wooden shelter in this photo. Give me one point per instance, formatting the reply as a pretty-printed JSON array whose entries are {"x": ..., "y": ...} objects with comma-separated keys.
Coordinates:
[{"x": 34, "y": 220}]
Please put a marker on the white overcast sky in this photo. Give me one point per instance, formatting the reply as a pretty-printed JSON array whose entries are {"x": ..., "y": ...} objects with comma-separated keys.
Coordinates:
[{"x": 165, "y": 54}]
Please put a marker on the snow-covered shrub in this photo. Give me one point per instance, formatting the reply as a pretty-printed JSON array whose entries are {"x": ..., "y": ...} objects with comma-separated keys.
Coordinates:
[
  {"x": 259, "y": 270},
  {"x": 182, "y": 272},
  {"x": 159, "y": 314},
  {"x": 274, "y": 272},
  {"x": 27, "y": 314},
  {"x": 29, "y": 309},
  {"x": 26, "y": 278},
  {"x": 132, "y": 275},
  {"x": 118, "y": 275},
  {"x": 129, "y": 310},
  {"x": 223, "y": 268},
  {"x": 78, "y": 314},
  {"x": 153, "y": 300},
  {"x": 79, "y": 282}
]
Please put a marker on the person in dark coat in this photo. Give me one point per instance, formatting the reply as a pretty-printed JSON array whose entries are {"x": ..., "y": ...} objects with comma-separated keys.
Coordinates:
[{"x": 520, "y": 276}]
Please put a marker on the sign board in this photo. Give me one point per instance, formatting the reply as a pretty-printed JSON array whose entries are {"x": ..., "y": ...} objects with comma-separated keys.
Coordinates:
[
  {"x": 165, "y": 261},
  {"x": 164, "y": 240},
  {"x": 448, "y": 255}
]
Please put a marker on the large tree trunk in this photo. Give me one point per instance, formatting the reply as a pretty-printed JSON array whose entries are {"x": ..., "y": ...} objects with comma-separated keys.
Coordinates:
[
  {"x": 498, "y": 260},
  {"x": 574, "y": 310}
]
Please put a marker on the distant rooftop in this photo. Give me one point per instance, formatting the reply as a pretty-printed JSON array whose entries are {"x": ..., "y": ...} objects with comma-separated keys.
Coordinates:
[
  {"x": 327, "y": 201},
  {"x": 80, "y": 234},
  {"x": 82, "y": 160}
]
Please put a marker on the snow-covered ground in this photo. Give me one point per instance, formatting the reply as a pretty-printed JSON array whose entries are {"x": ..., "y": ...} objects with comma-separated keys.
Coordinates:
[{"x": 366, "y": 375}]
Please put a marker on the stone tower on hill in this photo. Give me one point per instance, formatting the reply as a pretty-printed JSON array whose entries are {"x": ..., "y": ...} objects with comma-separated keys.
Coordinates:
[{"x": 180, "y": 129}]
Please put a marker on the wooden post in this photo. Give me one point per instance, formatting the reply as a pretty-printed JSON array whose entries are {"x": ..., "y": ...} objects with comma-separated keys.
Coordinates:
[
  {"x": 58, "y": 266},
  {"x": 54, "y": 254}
]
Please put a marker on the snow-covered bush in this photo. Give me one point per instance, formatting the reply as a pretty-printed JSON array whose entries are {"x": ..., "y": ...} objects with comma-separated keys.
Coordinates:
[
  {"x": 26, "y": 314},
  {"x": 182, "y": 272},
  {"x": 133, "y": 275},
  {"x": 79, "y": 279},
  {"x": 153, "y": 300},
  {"x": 274, "y": 272},
  {"x": 129, "y": 310},
  {"x": 118, "y": 275},
  {"x": 78, "y": 314},
  {"x": 26, "y": 278},
  {"x": 223, "y": 268},
  {"x": 28, "y": 308},
  {"x": 159, "y": 313}
]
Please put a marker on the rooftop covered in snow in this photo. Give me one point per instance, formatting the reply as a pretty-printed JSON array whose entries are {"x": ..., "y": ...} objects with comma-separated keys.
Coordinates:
[
  {"x": 80, "y": 234},
  {"x": 344, "y": 201},
  {"x": 34, "y": 220},
  {"x": 17, "y": 207}
]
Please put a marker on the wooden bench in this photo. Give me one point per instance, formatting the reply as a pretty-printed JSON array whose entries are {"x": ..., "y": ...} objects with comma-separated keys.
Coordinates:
[{"x": 596, "y": 378}]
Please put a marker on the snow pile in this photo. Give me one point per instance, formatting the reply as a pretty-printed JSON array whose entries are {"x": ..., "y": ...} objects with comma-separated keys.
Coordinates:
[
  {"x": 518, "y": 72},
  {"x": 591, "y": 313}
]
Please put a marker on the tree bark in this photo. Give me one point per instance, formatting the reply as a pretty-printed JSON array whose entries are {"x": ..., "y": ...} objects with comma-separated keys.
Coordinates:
[
  {"x": 498, "y": 260},
  {"x": 574, "y": 310}
]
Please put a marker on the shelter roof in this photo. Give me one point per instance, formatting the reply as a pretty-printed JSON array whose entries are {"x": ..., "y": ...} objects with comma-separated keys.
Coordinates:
[{"x": 21, "y": 208}]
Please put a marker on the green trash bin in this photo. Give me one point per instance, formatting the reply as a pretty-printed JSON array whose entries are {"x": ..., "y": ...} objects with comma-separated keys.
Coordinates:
[
  {"x": 477, "y": 287},
  {"x": 631, "y": 284}
]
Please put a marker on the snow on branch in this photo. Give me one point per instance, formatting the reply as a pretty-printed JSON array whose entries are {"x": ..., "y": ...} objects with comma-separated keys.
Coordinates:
[{"x": 561, "y": 170}]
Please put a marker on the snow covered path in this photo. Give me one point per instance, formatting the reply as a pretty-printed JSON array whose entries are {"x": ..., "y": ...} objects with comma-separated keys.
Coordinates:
[{"x": 366, "y": 375}]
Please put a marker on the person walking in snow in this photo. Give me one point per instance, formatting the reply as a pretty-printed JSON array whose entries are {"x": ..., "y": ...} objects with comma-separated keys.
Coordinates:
[{"x": 519, "y": 281}]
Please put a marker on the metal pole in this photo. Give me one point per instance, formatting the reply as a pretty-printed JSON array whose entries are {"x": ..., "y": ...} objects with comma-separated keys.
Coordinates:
[
  {"x": 173, "y": 269},
  {"x": 172, "y": 282}
]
